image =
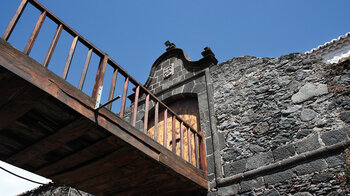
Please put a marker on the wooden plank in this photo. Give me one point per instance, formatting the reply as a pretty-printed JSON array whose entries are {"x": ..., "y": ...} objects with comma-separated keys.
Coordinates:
[
  {"x": 189, "y": 145},
  {"x": 111, "y": 91},
  {"x": 84, "y": 72},
  {"x": 165, "y": 133},
  {"x": 181, "y": 140},
  {"x": 99, "y": 76},
  {"x": 118, "y": 158},
  {"x": 52, "y": 46},
  {"x": 156, "y": 112},
  {"x": 145, "y": 120},
  {"x": 14, "y": 20},
  {"x": 202, "y": 154},
  {"x": 121, "y": 176},
  {"x": 136, "y": 101},
  {"x": 173, "y": 140},
  {"x": 196, "y": 149},
  {"x": 69, "y": 58},
  {"x": 19, "y": 104},
  {"x": 125, "y": 92},
  {"x": 67, "y": 133},
  {"x": 101, "y": 147},
  {"x": 35, "y": 33}
]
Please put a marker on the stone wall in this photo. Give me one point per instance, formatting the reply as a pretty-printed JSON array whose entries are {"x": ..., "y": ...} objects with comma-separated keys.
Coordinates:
[{"x": 283, "y": 124}]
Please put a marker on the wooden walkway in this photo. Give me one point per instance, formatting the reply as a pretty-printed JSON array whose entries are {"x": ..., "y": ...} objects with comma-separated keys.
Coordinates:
[{"x": 51, "y": 128}]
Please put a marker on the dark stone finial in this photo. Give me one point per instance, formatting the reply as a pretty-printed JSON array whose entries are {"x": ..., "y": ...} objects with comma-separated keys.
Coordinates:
[
  {"x": 207, "y": 52},
  {"x": 170, "y": 45}
]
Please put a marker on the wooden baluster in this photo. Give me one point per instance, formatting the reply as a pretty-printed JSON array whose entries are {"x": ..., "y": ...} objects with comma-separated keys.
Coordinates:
[
  {"x": 189, "y": 145},
  {"x": 196, "y": 149},
  {"x": 69, "y": 58},
  {"x": 14, "y": 20},
  {"x": 84, "y": 72},
  {"x": 125, "y": 92},
  {"x": 203, "y": 158},
  {"x": 136, "y": 100},
  {"x": 145, "y": 121},
  {"x": 35, "y": 33},
  {"x": 52, "y": 46},
  {"x": 156, "y": 121},
  {"x": 111, "y": 91},
  {"x": 173, "y": 135},
  {"x": 99, "y": 76},
  {"x": 165, "y": 134},
  {"x": 182, "y": 140}
]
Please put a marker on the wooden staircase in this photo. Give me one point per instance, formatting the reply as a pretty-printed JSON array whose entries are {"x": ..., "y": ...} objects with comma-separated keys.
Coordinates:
[{"x": 53, "y": 129}]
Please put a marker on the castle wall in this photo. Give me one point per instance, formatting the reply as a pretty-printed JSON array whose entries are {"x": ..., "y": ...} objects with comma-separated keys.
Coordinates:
[{"x": 282, "y": 125}]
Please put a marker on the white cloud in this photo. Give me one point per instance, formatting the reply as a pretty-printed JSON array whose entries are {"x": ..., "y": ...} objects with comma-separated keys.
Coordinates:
[{"x": 11, "y": 185}]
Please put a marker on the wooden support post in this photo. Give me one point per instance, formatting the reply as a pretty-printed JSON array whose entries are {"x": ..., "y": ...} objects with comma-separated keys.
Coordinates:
[
  {"x": 156, "y": 111},
  {"x": 173, "y": 135},
  {"x": 35, "y": 33},
  {"x": 136, "y": 100},
  {"x": 196, "y": 149},
  {"x": 99, "y": 76},
  {"x": 84, "y": 72},
  {"x": 111, "y": 91},
  {"x": 181, "y": 140},
  {"x": 125, "y": 92},
  {"x": 145, "y": 120},
  {"x": 165, "y": 134},
  {"x": 189, "y": 145},
  {"x": 203, "y": 158},
  {"x": 69, "y": 58},
  {"x": 52, "y": 46},
  {"x": 14, "y": 20}
]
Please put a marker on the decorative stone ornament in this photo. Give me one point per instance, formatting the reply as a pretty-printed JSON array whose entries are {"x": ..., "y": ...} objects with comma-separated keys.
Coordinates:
[{"x": 168, "y": 69}]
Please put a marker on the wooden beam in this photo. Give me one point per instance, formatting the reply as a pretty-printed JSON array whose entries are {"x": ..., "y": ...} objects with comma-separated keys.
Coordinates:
[
  {"x": 156, "y": 111},
  {"x": 68, "y": 133},
  {"x": 136, "y": 101},
  {"x": 103, "y": 146},
  {"x": 27, "y": 98},
  {"x": 125, "y": 93},
  {"x": 14, "y": 20},
  {"x": 69, "y": 58},
  {"x": 99, "y": 76},
  {"x": 165, "y": 132},
  {"x": 145, "y": 119},
  {"x": 84, "y": 72},
  {"x": 52, "y": 46},
  {"x": 97, "y": 167},
  {"x": 35, "y": 33},
  {"x": 112, "y": 89}
]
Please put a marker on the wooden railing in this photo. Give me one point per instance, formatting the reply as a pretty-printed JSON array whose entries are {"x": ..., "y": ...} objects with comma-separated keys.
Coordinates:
[{"x": 193, "y": 136}]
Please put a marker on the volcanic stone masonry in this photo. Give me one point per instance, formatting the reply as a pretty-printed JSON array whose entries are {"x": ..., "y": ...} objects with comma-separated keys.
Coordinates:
[{"x": 283, "y": 125}]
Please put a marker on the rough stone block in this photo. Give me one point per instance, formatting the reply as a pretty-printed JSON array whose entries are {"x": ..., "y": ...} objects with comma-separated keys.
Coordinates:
[
  {"x": 313, "y": 166},
  {"x": 309, "y": 91},
  {"x": 283, "y": 152},
  {"x": 259, "y": 160},
  {"x": 345, "y": 116},
  {"x": 333, "y": 137},
  {"x": 335, "y": 160},
  {"x": 278, "y": 177},
  {"x": 307, "y": 144},
  {"x": 210, "y": 164},
  {"x": 322, "y": 177},
  {"x": 229, "y": 190},
  {"x": 248, "y": 185},
  {"x": 235, "y": 167}
]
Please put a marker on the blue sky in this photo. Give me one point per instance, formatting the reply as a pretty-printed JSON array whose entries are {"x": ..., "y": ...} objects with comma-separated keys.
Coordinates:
[{"x": 133, "y": 32}]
